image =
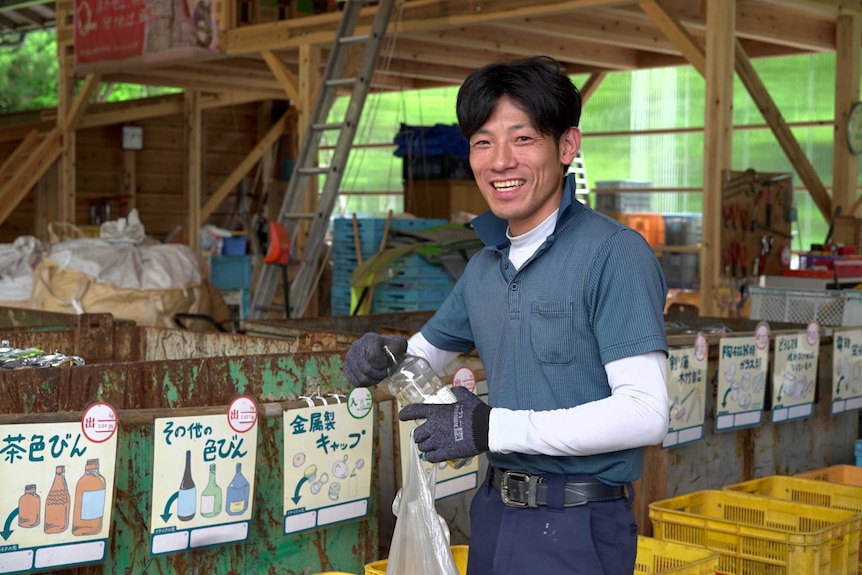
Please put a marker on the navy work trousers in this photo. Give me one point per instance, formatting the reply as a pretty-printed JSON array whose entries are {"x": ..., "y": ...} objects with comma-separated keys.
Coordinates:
[{"x": 599, "y": 538}]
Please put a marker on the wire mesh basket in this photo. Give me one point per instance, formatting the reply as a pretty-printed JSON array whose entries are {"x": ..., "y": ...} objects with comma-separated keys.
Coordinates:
[{"x": 827, "y": 307}]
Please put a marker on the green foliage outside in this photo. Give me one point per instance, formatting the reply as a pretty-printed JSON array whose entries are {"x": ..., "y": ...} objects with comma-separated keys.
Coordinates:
[
  {"x": 28, "y": 77},
  {"x": 659, "y": 99}
]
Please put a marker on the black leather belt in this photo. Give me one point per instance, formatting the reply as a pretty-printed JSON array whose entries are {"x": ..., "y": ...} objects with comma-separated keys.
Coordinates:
[{"x": 520, "y": 489}]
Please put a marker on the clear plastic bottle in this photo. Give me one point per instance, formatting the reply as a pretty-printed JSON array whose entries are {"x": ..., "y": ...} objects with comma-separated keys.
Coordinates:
[{"x": 414, "y": 381}]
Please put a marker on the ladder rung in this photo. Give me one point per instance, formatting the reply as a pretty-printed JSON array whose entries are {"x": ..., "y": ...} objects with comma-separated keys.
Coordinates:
[
  {"x": 329, "y": 126},
  {"x": 314, "y": 170},
  {"x": 340, "y": 83},
  {"x": 361, "y": 39}
]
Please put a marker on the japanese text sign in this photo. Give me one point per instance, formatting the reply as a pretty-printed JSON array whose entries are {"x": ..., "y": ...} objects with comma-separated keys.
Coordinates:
[
  {"x": 794, "y": 374},
  {"x": 328, "y": 451},
  {"x": 742, "y": 369},
  {"x": 846, "y": 370},
  {"x": 686, "y": 390},
  {"x": 203, "y": 478},
  {"x": 57, "y": 482}
]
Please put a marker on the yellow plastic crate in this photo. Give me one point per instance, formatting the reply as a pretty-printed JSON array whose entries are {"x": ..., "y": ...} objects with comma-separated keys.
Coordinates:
[
  {"x": 761, "y": 536},
  {"x": 459, "y": 553},
  {"x": 667, "y": 558},
  {"x": 845, "y": 474},
  {"x": 804, "y": 490}
]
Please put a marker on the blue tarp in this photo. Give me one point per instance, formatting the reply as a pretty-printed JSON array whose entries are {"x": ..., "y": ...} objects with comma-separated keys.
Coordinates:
[{"x": 436, "y": 140}]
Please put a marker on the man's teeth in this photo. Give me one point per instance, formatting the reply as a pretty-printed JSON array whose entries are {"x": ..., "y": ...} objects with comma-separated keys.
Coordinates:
[{"x": 508, "y": 184}]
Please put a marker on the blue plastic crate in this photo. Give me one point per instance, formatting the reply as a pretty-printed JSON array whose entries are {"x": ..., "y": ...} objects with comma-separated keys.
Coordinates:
[{"x": 231, "y": 272}]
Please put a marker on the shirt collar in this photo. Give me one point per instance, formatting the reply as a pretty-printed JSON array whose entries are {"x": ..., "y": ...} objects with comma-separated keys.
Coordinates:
[{"x": 492, "y": 230}]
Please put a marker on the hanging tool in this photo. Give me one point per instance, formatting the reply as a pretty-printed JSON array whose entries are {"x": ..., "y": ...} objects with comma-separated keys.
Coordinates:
[{"x": 307, "y": 169}]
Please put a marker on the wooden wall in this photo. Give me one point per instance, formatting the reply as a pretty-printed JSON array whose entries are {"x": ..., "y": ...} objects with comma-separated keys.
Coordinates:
[{"x": 158, "y": 171}]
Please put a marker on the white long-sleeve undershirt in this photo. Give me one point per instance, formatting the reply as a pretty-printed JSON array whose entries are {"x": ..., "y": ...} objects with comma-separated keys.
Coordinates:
[{"x": 634, "y": 415}]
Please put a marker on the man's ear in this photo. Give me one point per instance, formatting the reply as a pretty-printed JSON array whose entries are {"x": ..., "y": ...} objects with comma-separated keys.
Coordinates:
[{"x": 570, "y": 143}]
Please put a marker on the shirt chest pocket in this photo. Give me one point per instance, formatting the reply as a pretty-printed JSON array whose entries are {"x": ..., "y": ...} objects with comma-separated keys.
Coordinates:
[{"x": 552, "y": 331}]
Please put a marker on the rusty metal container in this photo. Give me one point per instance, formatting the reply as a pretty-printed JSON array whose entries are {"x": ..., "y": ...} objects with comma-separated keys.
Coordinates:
[{"x": 150, "y": 372}]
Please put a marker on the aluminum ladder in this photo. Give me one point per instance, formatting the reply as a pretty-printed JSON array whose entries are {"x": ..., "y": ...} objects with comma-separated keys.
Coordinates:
[{"x": 307, "y": 166}]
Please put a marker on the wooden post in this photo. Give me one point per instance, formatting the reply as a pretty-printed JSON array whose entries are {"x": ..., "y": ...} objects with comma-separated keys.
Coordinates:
[
  {"x": 718, "y": 127},
  {"x": 194, "y": 166},
  {"x": 848, "y": 38},
  {"x": 67, "y": 172},
  {"x": 130, "y": 178}
]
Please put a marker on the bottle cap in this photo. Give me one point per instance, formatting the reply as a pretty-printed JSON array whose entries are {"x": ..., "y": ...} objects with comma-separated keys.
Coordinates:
[{"x": 29, "y": 487}]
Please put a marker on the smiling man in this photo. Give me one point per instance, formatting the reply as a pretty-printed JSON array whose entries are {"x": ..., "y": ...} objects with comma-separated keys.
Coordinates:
[{"x": 565, "y": 309}]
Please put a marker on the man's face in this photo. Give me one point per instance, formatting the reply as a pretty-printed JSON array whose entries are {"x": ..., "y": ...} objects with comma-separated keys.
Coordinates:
[{"x": 519, "y": 170}]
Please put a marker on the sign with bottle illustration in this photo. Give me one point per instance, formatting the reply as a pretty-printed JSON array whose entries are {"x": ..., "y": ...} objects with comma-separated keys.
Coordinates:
[
  {"x": 686, "y": 390},
  {"x": 203, "y": 478},
  {"x": 794, "y": 374},
  {"x": 742, "y": 371},
  {"x": 327, "y": 461},
  {"x": 846, "y": 370},
  {"x": 57, "y": 486}
]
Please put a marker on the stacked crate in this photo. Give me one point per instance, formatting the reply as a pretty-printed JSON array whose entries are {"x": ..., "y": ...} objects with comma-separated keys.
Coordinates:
[
  {"x": 757, "y": 535},
  {"x": 418, "y": 285}
]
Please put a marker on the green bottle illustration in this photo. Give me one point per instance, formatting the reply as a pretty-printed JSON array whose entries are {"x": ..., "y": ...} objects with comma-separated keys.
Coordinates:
[{"x": 211, "y": 496}]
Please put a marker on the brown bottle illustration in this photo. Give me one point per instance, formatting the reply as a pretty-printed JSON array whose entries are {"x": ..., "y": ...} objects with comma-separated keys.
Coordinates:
[
  {"x": 89, "y": 501},
  {"x": 57, "y": 503},
  {"x": 29, "y": 507}
]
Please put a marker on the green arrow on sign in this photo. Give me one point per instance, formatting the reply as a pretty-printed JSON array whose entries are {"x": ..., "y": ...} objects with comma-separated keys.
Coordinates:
[
  {"x": 7, "y": 528},
  {"x": 167, "y": 514}
]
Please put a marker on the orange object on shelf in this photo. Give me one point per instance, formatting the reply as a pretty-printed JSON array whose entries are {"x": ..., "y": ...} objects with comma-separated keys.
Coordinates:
[{"x": 650, "y": 226}]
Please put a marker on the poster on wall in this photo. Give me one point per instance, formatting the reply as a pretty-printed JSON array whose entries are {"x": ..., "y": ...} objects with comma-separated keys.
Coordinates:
[
  {"x": 203, "y": 478},
  {"x": 112, "y": 35},
  {"x": 328, "y": 452},
  {"x": 57, "y": 486},
  {"x": 686, "y": 392},
  {"x": 794, "y": 374},
  {"x": 846, "y": 370},
  {"x": 742, "y": 371}
]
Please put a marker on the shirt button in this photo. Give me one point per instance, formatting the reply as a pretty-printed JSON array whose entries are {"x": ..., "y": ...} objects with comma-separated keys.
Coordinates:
[{"x": 514, "y": 287}]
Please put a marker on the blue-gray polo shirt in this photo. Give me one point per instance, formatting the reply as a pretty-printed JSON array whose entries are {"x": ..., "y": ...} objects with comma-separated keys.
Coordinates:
[{"x": 592, "y": 293}]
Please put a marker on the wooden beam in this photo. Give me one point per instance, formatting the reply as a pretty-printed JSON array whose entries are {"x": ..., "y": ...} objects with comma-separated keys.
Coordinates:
[
  {"x": 283, "y": 74},
  {"x": 66, "y": 193},
  {"x": 194, "y": 169},
  {"x": 845, "y": 165},
  {"x": 676, "y": 33},
  {"x": 29, "y": 171},
  {"x": 79, "y": 105},
  {"x": 590, "y": 86},
  {"x": 718, "y": 131},
  {"x": 416, "y": 16},
  {"x": 244, "y": 166},
  {"x": 786, "y": 139}
]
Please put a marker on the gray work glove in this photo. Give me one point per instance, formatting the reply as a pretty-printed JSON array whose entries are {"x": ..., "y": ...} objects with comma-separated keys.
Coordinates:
[
  {"x": 366, "y": 362},
  {"x": 451, "y": 430}
]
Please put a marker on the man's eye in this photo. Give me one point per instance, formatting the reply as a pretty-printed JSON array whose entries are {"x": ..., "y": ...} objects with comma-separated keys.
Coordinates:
[{"x": 480, "y": 143}]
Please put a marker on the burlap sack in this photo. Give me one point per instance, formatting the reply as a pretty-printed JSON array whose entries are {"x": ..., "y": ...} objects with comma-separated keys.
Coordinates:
[{"x": 66, "y": 290}]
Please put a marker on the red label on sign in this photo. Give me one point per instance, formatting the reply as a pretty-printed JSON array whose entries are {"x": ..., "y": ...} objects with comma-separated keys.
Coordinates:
[
  {"x": 99, "y": 422},
  {"x": 242, "y": 414},
  {"x": 464, "y": 377}
]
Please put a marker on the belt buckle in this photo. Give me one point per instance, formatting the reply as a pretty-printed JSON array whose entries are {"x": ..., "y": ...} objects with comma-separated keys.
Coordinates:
[{"x": 504, "y": 487}]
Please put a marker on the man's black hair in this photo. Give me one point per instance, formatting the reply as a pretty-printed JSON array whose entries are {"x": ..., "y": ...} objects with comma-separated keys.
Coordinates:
[{"x": 538, "y": 85}]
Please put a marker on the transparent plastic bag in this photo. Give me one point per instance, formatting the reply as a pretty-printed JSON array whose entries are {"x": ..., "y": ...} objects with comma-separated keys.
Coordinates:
[{"x": 420, "y": 543}]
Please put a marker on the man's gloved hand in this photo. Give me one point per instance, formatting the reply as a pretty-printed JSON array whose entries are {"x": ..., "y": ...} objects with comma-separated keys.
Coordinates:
[
  {"x": 451, "y": 430},
  {"x": 366, "y": 361}
]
